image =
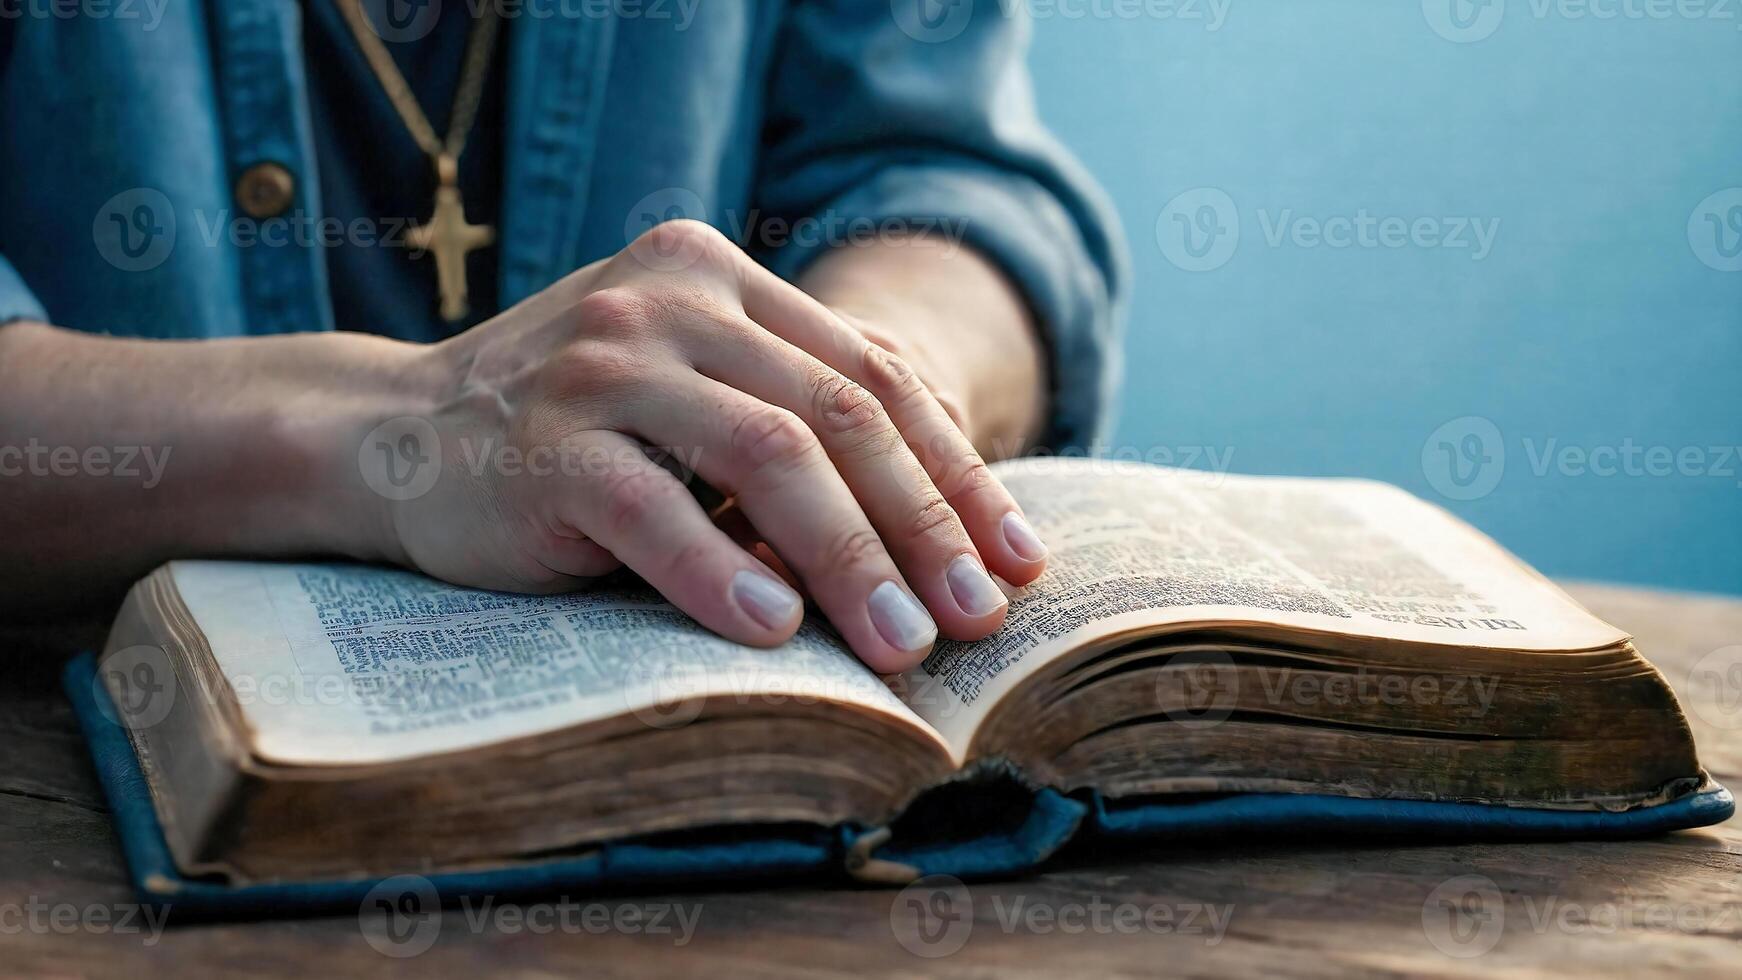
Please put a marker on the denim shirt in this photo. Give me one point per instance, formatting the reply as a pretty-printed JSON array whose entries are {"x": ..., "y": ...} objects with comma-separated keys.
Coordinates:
[{"x": 131, "y": 135}]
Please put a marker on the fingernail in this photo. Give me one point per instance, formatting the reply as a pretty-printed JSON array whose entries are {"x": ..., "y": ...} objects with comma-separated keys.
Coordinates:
[
  {"x": 900, "y": 619},
  {"x": 765, "y": 600},
  {"x": 1022, "y": 539},
  {"x": 975, "y": 592}
]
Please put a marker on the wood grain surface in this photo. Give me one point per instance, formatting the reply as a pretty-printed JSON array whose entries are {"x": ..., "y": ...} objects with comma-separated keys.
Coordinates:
[{"x": 1277, "y": 908}]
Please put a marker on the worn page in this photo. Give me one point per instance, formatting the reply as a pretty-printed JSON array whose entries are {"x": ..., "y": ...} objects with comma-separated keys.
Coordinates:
[
  {"x": 342, "y": 664},
  {"x": 1137, "y": 546}
]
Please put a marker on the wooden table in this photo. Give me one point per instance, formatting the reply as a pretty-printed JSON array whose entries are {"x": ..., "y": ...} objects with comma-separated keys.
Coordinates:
[{"x": 1332, "y": 909}]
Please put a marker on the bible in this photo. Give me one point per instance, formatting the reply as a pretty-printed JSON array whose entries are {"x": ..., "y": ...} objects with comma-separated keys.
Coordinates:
[{"x": 1205, "y": 652}]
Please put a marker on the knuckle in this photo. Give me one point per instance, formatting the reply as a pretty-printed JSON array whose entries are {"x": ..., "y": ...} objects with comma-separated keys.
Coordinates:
[
  {"x": 769, "y": 436},
  {"x": 891, "y": 376},
  {"x": 933, "y": 514},
  {"x": 965, "y": 475},
  {"x": 594, "y": 366},
  {"x": 688, "y": 558},
  {"x": 843, "y": 407},
  {"x": 687, "y": 236},
  {"x": 634, "y": 497},
  {"x": 615, "y": 311},
  {"x": 853, "y": 547}
]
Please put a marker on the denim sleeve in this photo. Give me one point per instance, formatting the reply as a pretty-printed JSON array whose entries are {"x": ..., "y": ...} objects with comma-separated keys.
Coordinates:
[
  {"x": 17, "y": 302},
  {"x": 877, "y": 113}
]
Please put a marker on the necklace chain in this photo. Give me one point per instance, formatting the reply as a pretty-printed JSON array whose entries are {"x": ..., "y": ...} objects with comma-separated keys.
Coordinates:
[{"x": 467, "y": 96}]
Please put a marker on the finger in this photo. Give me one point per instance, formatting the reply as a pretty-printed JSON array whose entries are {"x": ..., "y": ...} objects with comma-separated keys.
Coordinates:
[
  {"x": 996, "y": 524},
  {"x": 574, "y": 554},
  {"x": 645, "y": 516},
  {"x": 731, "y": 520},
  {"x": 773, "y": 464},
  {"x": 918, "y": 526}
]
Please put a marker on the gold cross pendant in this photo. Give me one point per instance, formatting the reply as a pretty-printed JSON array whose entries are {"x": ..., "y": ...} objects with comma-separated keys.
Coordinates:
[{"x": 449, "y": 238}]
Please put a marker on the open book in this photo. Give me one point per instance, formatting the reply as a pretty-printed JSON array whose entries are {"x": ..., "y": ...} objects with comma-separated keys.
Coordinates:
[{"x": 1193, "y": 635}]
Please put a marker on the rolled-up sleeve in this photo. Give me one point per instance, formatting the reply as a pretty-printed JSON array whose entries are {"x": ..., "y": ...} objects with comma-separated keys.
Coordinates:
[
  {"x": 17, "y": 302},
  {"x": 872, "y": 118}
]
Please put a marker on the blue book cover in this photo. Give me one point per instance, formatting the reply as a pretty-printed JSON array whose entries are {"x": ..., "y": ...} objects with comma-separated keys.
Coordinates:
[
  {"x": 1261, "y": 656},
  {"x": 1010, "y": 830}
]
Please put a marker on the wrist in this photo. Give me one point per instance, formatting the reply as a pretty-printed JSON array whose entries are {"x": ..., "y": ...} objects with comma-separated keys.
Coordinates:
[
  {"x": 338, "y": 439},
  {"x": 960, "y": 320},
  {"x": 990, "y": 367}
]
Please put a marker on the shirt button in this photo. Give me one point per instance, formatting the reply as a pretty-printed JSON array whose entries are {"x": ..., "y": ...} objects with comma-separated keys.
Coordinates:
[{"x": 265, "y": 190}]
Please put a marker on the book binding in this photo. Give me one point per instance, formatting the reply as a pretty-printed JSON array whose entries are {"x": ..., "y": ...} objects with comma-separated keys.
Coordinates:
[{"x": 996, "y": 828}]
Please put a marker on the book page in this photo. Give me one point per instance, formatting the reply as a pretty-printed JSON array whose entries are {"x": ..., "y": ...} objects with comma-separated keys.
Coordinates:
[
  {"x": 1137, "y": 546},
  {"x": 345, "y": 664}
]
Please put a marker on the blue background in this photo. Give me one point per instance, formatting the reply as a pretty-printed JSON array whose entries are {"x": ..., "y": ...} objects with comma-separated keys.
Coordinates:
[{"x": 1595, "y": 321}]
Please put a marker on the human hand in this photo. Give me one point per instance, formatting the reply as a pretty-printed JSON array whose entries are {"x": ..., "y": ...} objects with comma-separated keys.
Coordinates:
[{"x": 833, "y": 449}]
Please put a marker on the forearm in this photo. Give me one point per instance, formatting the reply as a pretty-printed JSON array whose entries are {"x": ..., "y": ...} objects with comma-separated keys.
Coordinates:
[
  {"x": 118, "y": 454},
  {"x": 959, "y": 319}
]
